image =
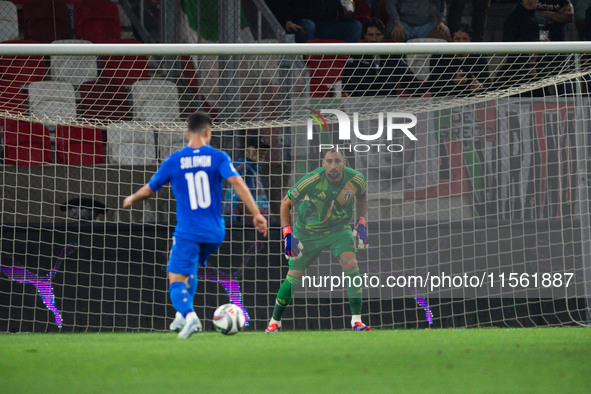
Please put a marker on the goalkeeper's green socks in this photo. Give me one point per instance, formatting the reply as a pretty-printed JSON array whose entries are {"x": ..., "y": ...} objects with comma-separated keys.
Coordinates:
[
  {"x": 285, "y": 294},
  {"x": 354, "y": 293}
]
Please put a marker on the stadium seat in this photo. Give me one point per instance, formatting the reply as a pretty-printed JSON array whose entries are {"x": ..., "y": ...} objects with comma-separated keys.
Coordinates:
[
  {"x": 155, "y": 100},
  {"x": 46, "y": 20},
  {"x": 12, "y": 97},
  {"x": 79, "y": 146},
  {"x": 52, "y": 99},
  {"x": 73, "y": 69},
  {"x": 325, "y": 70},
  {"x": 25, "y": 143},
  {"x": 190, "y": 78},
  {"x": 97, "y": 21},
  {"x": 130, "y": 145},
  {"x": 8, "y": 21},
  {"x": 189, "y": 75},
  {"x": 124, "y": 70},
  {"x": 16, "y": 71},
  {"x": 22, "y": 69},
  {"x": 102, "y": 100},
  {"x": 170, "y": 141}
]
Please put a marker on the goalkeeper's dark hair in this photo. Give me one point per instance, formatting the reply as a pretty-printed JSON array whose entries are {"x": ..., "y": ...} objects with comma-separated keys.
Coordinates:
[{"x": 198, "y": 122}]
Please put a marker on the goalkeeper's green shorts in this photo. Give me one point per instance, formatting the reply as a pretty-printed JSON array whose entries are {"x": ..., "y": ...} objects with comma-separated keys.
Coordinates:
[{"x": 337, "y": 242}]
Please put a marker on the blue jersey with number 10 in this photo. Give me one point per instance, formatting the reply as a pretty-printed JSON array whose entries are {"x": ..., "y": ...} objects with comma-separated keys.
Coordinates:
[{"x": 196, "y": 176}]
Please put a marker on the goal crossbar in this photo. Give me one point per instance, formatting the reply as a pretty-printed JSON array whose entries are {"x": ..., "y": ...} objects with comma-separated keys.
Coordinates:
[{"x": 247, "y": 49}]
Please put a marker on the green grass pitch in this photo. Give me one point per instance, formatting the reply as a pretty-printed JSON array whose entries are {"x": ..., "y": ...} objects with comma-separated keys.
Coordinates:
[{"x": 460, "y": 360}]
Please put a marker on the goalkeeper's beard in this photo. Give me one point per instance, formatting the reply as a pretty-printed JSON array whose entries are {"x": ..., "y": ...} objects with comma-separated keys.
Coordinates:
[{"x": 333, "y": 175}]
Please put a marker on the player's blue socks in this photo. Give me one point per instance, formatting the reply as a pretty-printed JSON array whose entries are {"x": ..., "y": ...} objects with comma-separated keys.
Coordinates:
[
  {"x": 192, "y": 285},
  {"x": 181, "y": 299}
]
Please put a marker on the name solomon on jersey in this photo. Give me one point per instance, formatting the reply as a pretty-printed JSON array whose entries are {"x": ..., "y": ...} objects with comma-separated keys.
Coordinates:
[{"x": 195, "y": 161}]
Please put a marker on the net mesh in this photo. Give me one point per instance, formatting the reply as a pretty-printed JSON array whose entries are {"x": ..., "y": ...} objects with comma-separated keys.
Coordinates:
[
  {"x": 260, "y": 91},
  {"x": 493, "y": 187}
]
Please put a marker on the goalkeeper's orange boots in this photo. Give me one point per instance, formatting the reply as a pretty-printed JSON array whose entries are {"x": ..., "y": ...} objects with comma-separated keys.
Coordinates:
[
  {"x": 358, "y": 326},
  {"x": 273, "y": 327}
]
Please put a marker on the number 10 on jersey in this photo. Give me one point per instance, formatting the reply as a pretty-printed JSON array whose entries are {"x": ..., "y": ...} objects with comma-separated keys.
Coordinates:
[{"x": 198, "y": 187}]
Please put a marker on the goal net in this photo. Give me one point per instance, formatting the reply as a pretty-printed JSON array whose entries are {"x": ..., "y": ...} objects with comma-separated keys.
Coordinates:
[{"x": 475, "y": 157}]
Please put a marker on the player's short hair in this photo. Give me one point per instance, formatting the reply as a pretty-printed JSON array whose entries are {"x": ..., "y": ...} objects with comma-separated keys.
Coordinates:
[
  {"x": 334, "y": 151},
  {"x": 373, "y": 22},
  {"x": 198, "y": 122}
]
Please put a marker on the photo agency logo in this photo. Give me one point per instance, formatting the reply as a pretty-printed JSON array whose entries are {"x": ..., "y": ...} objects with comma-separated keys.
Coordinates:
[{"x": 397, "y": 126}]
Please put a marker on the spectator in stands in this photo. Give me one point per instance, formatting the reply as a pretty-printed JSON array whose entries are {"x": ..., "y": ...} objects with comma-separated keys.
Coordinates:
[
  {"x": 580, "y": 9},
  {"x": 523, "y": 24},
  {"x": 378, "y": 75},
  {"x": 479, "y": 13},
  {"x": 257, "y": 153},
  {"x": 557, "y": 13},
  {"x": 410, "y": 19},
  {"x": 311, "y": 19},
  {"x": 459, "y": 74}
]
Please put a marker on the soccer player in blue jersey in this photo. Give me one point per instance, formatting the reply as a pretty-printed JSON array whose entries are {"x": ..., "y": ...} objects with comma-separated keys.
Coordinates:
[{"x": 196, "y": 174}]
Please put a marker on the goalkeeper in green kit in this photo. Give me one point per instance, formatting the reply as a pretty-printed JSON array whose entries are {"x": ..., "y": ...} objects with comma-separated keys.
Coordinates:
[{"x": 324, "y": 199}]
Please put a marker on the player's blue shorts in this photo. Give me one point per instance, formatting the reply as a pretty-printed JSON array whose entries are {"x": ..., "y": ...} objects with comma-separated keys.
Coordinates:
[{"x": 185, "y": 255}]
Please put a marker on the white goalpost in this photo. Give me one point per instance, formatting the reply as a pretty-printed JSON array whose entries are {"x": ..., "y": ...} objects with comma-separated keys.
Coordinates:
[{"x": 476, "y": 157}]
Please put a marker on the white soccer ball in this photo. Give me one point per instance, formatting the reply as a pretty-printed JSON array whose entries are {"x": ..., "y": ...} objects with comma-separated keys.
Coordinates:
[{"x": 228, "y": 319}]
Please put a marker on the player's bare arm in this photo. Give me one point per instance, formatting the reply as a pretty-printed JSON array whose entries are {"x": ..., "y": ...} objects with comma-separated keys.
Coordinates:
[
  {"x": 361, "y": 205},
  {"x": 258, "y": 220},
  {"x": 143, "y": 193},
  {"x": 285, "y": 212}
]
